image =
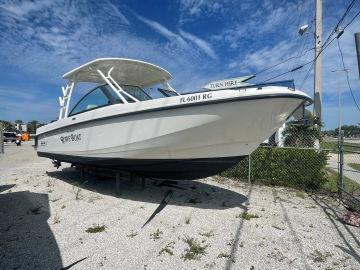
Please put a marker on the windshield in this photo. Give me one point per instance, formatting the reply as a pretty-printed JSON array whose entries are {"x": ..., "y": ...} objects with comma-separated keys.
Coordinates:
[
  {"x": 9, "y": 134},
  {"x": 136, "y": 92}
]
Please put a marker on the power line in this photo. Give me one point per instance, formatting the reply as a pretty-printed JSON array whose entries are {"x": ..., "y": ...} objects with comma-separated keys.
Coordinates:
[
  {"x": 341, "y": 20},
  {"x": 313, "y": 61},
  {"x": 323, "y": 47},
  {"x": 347, "y": 76},
  {"x": 351, "y": 21},
  {"x": 301, "y": 66},
  {"x": 282, "y": 62},
  {"x": 328, "y": 41}
]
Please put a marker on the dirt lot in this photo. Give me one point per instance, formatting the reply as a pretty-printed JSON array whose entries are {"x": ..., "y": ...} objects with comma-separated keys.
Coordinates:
[{"x": 52, "y": 218}]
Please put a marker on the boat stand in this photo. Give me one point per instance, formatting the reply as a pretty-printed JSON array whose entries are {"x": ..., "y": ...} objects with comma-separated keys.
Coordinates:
[{"x": 119, "y": 175}]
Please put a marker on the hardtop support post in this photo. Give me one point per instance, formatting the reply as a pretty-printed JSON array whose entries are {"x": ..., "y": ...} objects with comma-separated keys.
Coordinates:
[
  {"x": 110, "y": 81},
  {"x": 106, "y": 79},
  {"x": 65, "y": 99},
  {"x": 72, "y": 85}
]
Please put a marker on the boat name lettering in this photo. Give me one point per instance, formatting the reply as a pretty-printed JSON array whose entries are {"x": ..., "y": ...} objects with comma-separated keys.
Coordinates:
[
  {"x": 197, "y": 97},
  {"x": 70, "y": 138},
  {"x": 223, "y": 84}
]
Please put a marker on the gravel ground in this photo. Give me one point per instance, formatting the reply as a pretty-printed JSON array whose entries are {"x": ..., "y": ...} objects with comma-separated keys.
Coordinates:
[{"x": 46, "y": 214}]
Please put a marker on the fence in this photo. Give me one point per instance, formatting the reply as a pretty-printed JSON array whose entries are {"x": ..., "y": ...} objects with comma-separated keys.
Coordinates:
[
  {"x": 1, "y": 139},
  {"x": 307, "y": 161},
  {"x": 349, "y": 174}
]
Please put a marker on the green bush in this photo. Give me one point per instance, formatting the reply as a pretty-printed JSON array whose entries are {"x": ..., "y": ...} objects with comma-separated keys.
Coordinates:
[{"x": 297, "y": 168}]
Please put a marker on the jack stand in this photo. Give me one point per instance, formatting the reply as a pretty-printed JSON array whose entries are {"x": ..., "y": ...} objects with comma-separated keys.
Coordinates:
[
  {"x": 118, "y": 183},
  {"x": 56, "y": 163}
]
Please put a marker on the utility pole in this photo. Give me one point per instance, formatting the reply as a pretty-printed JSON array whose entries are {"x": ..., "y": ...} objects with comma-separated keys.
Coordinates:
[
  {"x": 318, "y": 60},
  {"x": 357, "y": 43}
]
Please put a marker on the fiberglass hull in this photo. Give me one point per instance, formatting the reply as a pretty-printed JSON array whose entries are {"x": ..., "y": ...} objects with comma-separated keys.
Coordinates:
[{"x": 181, "y": 141}]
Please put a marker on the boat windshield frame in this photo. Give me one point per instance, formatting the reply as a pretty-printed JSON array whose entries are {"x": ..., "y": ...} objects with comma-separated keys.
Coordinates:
[
  {"x": 286, "y": 83},
  {"x": 115, "y": 86}
]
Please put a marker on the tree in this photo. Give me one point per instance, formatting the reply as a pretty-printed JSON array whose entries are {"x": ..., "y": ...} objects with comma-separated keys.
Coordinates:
[
  {"x": 350, "y": 131},
  {"x": 31, "y": 126},
  {"x": 7, "y": 125},
  {"x": 302, "y": 133}
]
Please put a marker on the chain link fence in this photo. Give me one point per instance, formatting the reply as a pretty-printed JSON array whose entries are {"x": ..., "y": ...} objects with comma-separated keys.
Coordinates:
[{"x": 301, "y": 157}]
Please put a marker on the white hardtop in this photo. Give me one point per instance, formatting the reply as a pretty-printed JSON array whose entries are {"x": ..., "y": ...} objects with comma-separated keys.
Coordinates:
[{"x": 123, "y": 71}]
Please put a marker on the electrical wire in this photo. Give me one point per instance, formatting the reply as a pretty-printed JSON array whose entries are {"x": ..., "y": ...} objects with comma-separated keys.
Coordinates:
[
  {"x": 328, "y": 41},
  {"x": 282, "y": 62},
  {"x": 326, "y": 44},
  {"x": 341, "y": 20},
  {"x": 351, "y": 21},
  {"x": 347, "y": 76},
  {"x": 313, "y": 62}
]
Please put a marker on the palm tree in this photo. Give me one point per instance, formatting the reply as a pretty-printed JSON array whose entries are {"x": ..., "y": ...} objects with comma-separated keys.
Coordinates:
[{"x": 302, "y": 133}]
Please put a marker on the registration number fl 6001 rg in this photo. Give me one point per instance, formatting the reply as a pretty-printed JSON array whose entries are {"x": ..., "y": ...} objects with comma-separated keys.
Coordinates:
[{"x": 197, "y": 97}]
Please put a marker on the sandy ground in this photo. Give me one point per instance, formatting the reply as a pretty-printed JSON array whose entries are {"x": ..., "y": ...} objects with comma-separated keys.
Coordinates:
[{"x": 45, "y": 214}]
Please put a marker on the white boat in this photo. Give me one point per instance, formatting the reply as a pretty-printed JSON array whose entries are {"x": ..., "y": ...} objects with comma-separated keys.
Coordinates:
[{"x": 120, "y": 126}]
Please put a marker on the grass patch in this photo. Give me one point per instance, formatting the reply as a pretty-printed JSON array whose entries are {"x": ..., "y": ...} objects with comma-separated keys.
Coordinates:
[
  {"x": 247, "y": 216},
  {"x": 226, "y": 256},
  {"x": 77, "y": 192},
  {"x": 195, "y": 250},
  {"x": 231, "y": 242},
  {"x": 355, "y": 166},
  {"x": 300, "y": 194},
  {"x": 132, "y": 234},
  {"x": 278, "y": 228},
  {"x": 332, "y": 182},
  {"x": 56, "y": 219},
  {"x": 96, "y": 229},
  {"x": 320, "y": 257},
  {"x": 156, "y": 235},
  {"x": 168, "y": 249},
  {"x": 207, "y": 234},
  {"x": 334, "y": 145}
]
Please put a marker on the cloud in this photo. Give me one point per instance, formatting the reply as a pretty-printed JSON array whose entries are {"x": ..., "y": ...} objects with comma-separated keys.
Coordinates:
[
  {"x": 46, "y": 39},
  {"x": 180, "y": 39},
  {"x": 267, "y": 22},
  {"x": 41, "y": 40},
  {"x": 19, "y": 9},
  {"x": 162, "y": 30},
  {"x": 192, "y": 9},
  {"x": 202, "y": 44},
  {"x": 26, "y": 105}
]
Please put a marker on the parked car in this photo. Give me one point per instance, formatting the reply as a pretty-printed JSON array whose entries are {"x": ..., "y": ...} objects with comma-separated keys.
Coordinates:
[
  {"x": 12, "y": 137},
  {"x": 9, "y": 136}
]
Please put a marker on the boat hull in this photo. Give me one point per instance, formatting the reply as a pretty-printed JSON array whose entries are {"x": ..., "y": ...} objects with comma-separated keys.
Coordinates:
[
  {"x": 185, "y": 141},
  {"x": 174, "y": 169}
]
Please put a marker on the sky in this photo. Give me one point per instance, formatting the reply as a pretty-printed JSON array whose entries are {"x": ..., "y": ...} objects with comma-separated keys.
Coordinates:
[{"x": 196, "y": 41}]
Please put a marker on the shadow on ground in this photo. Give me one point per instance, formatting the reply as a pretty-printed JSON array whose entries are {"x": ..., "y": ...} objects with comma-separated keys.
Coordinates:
[
  {"x": 6, "y": 187},
  {"x": 350, "y": 241},
  {"x": 185, "y": 193},
  {"x": 26, "y": 241}
]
